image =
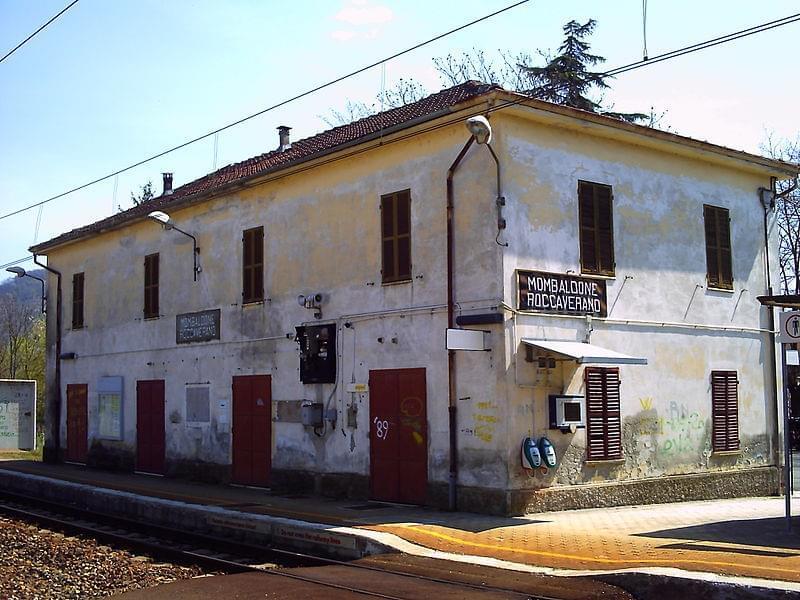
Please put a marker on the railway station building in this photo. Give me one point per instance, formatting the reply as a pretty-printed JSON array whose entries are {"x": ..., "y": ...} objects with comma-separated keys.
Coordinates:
[{"x": 390, "y": 308}]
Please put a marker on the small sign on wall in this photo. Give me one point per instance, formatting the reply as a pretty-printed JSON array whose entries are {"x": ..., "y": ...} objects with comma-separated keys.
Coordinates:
[
  {"x": 789, "y": 327},
  {"x": 109, "y": 408},
  {"x": 557, "y": 293}
]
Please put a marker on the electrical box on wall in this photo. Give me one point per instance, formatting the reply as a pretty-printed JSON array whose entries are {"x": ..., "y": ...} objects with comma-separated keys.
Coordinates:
[
  {"x": 311, "y": 414},
  {"x": 317, "y": 353},
  {"x": 567, "y": 412}
]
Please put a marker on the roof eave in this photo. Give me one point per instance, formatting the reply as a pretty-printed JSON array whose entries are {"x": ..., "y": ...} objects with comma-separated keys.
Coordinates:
[{"x": 256, "y": 179}]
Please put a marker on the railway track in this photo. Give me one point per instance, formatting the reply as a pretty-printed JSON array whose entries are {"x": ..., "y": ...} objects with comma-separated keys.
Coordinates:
[{"x": 220, "y": 554}]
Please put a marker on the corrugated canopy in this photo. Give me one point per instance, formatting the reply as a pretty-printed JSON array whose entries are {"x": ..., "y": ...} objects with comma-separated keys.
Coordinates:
[{"x": 584, "y": 353}]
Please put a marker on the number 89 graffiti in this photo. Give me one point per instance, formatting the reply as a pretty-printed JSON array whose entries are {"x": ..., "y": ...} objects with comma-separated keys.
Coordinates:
[{"x": 381, "y": 428}]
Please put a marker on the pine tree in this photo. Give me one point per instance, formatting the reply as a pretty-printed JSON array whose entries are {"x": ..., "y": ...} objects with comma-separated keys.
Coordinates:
[{"x": 566, "y": 78}]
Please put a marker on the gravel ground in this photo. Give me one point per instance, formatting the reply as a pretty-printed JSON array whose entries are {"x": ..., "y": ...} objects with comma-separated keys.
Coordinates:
[{"x": 38, "y": 563}]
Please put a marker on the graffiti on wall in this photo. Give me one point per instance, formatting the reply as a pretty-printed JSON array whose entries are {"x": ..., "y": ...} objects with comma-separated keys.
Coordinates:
[
  {"x": 483, "y": 422},
  {"x": 679, "y": 431}
]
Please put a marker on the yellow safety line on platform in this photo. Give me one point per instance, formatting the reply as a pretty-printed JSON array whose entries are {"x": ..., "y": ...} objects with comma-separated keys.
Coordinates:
[{"x": 651, "y": 562}]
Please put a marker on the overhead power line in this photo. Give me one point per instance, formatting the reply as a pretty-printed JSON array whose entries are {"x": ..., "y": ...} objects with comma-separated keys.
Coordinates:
[
  {"x": 31, "y": 36},
  {"x": 263, "y": 111},
  {"x": 505, "y": 104}
]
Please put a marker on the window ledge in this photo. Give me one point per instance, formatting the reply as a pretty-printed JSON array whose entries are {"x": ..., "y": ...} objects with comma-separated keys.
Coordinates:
[
  {"x": 726, "y": 452},
  {"x": 719, "y": 289},
  {"x": 601, "y": 463},
  {"x": 598, "y": 276},
  {"x": 153, "y": 318},
  {"x": 398, "y": 282},
  {"x": 253, "y": 303}
]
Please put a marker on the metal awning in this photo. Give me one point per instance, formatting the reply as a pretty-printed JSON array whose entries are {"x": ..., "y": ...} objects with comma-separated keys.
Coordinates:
[{"x": 583, "y": 353}]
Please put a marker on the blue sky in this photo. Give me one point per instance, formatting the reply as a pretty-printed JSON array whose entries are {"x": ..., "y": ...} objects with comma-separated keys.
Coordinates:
[{"x": 112, "y": 82}]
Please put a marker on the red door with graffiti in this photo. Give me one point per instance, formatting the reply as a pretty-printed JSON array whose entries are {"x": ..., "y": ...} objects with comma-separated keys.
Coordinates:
[
  {"x": 77, "y": 422},
  {"x": 398, "y": 435},
  {"x": 252, "y": 429},
  {"x": 150, "y": 433}
]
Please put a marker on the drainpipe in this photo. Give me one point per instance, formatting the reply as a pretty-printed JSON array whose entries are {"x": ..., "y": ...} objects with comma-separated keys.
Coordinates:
[
  {"x": 50, "y": 453},
  {"x": 451, "y": 354}
]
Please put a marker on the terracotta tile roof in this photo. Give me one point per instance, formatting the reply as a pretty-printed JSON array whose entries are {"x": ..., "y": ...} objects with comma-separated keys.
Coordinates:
[{"x": 274, "y": 160}]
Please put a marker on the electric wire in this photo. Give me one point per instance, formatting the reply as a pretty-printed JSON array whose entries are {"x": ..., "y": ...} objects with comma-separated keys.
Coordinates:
[
  {"x": 265, "y": 110},
  {"x": 499, "y": 106},
  {"x": 31, "y": 36}
]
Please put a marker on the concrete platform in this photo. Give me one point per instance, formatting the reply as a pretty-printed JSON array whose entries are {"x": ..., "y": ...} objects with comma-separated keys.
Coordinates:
[{"x": 736, "y": 541}]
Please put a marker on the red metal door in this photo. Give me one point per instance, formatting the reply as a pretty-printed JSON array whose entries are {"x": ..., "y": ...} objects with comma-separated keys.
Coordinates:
[
  {"x": 150, "y": 434},
  {"x": 252, "y": 429},
  {"x": 77, "y": 422},
  {"x": 398, "y": 435}
]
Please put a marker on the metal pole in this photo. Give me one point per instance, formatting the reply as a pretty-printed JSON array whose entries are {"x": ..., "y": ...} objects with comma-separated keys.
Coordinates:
[{"x": 787, "y": 443}]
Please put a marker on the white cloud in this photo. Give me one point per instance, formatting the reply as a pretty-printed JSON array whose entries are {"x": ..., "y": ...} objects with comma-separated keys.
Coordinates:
[{"x": 361, "y": 12}]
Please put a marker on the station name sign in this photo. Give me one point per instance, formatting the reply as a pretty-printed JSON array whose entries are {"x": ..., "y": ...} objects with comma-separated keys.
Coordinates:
[
  {"x": 561, "y": 294},
  {"x": 197, "y": 327}
]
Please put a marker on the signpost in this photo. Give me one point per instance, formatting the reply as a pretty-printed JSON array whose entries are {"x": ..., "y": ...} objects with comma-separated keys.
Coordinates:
[{"x": 787, "y": 333}]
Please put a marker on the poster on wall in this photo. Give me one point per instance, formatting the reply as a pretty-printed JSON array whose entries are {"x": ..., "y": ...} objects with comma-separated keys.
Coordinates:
[
  {"x": 109, "y": 408},
  {"x": 557, "y": 293}
]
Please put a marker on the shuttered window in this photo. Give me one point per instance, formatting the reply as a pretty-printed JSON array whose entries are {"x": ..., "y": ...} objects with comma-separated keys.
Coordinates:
[
  {"x": 253, "y": 265},
  {"x": 718, "y": 247},
  {"x": 77, "y": 301},
  {"x": 596, "y": 222},
  {"x": 724, "y": 411},
  {"x": 151, "y": 286},
  {"x": 603, "y": 428},
  {"x": 396, "y": 236}
]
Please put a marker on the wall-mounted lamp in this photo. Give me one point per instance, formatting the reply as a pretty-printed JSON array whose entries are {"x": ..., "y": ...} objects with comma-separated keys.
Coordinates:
[
  {"x": 20, "y": 272},
  {"x": 481, "y": 130},
  {"x": 479, "y": 127},
  {"x": 166, "y": 222},
  {"x": 313, "y": 302}
]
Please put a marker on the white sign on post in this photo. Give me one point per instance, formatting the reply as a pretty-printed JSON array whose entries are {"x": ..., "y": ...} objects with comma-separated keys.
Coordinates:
[{"x": 789, "y": 327}]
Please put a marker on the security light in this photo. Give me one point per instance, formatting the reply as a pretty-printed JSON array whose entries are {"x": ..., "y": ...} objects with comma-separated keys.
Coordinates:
[
  {"x": 162, "y": 218},
  {"x": 480, "y": 129},
  {"x": 165, "y": 221},
  {"x": 20, "y": 272}
]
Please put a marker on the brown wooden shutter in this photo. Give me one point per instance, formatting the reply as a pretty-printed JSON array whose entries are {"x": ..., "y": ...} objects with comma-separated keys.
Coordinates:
[
  {"x": 596, "y": 224},
  {"x": 77, "y": 300},
  {"x": 719, "y": 262},
  {"x": 151, "y": 274},
  {"x": 603, "y": 414},
  {"x": 724, "y": 411},
  {"x": 253, "y": 265},
  {"x": 396, "y": 236}
]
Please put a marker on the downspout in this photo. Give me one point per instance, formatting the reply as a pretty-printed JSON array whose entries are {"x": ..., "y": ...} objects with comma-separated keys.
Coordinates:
[
  {"x": 768, "y": 206},
  {"x": 451, "y": 355},
  {"x": 50, "y": 454}
]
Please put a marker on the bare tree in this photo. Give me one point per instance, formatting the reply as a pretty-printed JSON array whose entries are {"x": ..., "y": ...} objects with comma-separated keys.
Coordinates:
[
  {"x": 787, "y": 210},
  {"x": 507, "y": 69},
  {"x": 17, "y": 320}
]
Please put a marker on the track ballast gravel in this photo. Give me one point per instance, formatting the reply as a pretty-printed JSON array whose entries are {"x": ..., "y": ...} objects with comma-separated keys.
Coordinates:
[{"x": 39, "y": 563}]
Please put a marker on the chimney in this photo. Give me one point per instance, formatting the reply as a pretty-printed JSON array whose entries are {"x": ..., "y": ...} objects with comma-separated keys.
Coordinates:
[
  {"x": 167, "y": 184},
  {"x": 283, "y": 136}
]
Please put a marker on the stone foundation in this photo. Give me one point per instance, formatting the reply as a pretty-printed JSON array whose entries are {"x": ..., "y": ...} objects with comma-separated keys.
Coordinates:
[{"x": 763, "y": 481}]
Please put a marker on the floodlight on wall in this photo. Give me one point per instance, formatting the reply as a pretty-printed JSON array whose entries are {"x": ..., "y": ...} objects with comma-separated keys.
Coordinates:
[
  {"x": 20, "y": 272},
  {"x": 166, "y": 222}
]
